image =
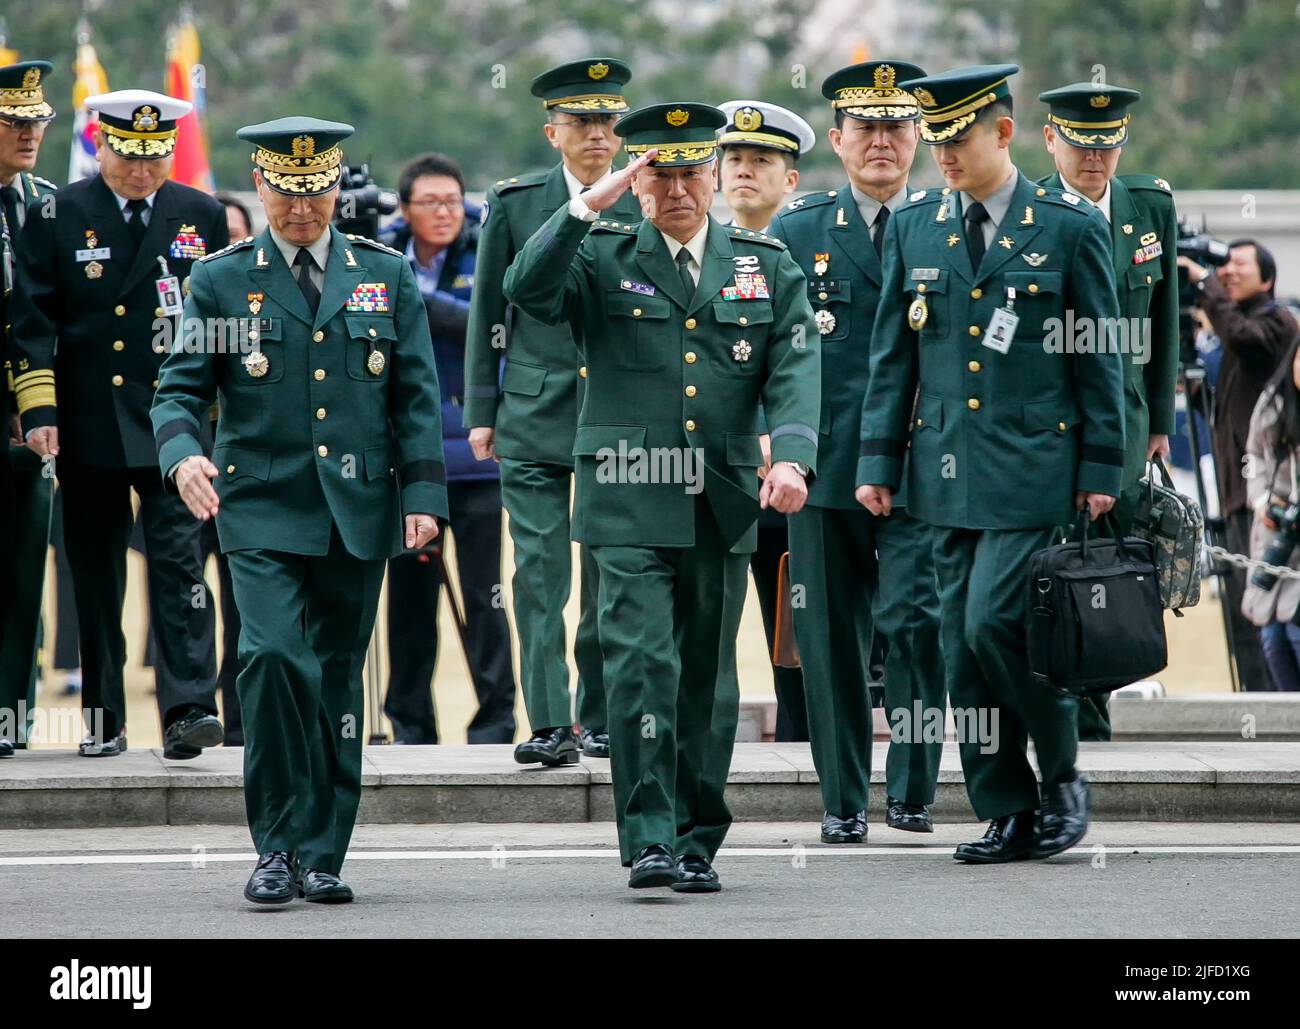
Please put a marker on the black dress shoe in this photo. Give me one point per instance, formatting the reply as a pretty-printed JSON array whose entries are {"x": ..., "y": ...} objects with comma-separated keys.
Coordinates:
[
  {"x": 695, "y": 875},
  {"x": 6, "y": 749},
  {"x": 550, "y": 747},
  {"x": 844, "y": 830},
  {"x": 318, "y": 887},
  {"x": 595, "y": 743},
  {"x": 908, "y": 817},
  {"x": 653, "y": 866},
  {"x": 89, "y": 747},
  {"x": 1009, "y": 838},
  {"x": 1065, "y": 817},
  {"x": 272, "y": 881},
  {"x": 191, "y": 731}
]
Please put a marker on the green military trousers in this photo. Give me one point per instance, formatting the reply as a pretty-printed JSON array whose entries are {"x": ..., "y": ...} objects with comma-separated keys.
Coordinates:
[
  {"x": 668, "y": 623},
  {"x": 305, "y": 630},
  {"x": 996, "y": 706},
  {"x": 33, "y": 486},
  {"x": 859, "y": 573},
  {"x": 536, "y": 496}
]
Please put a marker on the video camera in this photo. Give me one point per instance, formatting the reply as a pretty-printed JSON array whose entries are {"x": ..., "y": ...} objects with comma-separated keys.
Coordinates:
[
  {"x": 362, "y": 202},
  {"x": 1208, "y": 252}
]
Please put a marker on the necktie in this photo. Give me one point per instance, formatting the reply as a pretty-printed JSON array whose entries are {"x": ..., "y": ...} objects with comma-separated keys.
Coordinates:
[
  {"x": 976, "y": 216},
  {"x": 136, "y": 209},
  {"x": 310, "y": 293},
  {"x": 684, "y": 270},
  {"x": 882, "y": 219},
  {"x": 9, "y": 197}
]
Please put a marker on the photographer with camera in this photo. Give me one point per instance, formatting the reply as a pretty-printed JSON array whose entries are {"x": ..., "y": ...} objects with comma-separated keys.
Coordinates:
[
  {"x": 1254, "y": 332},
  {"x": 1273, "y": 491},
  {"x": 441, "y": 244}
]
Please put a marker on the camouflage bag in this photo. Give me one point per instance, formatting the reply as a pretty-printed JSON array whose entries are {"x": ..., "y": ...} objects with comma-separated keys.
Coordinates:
[{"x": 1175, "y": 527}]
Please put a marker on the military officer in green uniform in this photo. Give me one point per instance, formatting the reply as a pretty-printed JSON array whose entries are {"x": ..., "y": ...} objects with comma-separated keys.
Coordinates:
[
  {"x": 328, "y": 460},
  {"x": 525, "y": 417},
  {"x": 855, "y": 567},
  {"x": 25, "y": 493},
  {"x": 1087, "y": 126},
  {"x": 685, "y": 326},
  {"x": 1011, "y": 428}
]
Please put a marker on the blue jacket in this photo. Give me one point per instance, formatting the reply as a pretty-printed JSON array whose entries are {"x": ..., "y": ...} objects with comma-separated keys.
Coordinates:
[{"x": 448, "y": 311}]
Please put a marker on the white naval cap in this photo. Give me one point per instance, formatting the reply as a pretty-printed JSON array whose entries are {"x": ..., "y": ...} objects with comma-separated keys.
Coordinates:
[
  {"x": 756, "y": 123},
  {"x": 139, "y": 123}
]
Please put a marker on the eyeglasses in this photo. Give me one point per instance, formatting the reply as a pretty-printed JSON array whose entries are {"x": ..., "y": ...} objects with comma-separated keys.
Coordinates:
[
  {"x": 19, "y": 126},
  {"x": 434, "y": 203},
  {"x": 587, "y": 121}
]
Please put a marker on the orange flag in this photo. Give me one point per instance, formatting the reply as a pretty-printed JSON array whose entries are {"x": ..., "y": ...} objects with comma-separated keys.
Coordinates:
[{"x": 185, "y": 81}]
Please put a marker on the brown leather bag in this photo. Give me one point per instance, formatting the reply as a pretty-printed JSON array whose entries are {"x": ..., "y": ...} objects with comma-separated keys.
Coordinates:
[{"x": 785, "y": 650}]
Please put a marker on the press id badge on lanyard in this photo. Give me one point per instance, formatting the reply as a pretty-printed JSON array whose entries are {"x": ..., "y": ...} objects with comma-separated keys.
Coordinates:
[
  {"x": 169, "y": 292},
  {"x": 1002, "y": 326}
]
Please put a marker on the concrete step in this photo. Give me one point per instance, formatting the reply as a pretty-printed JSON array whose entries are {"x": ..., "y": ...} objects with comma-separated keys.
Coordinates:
[
  {"x": 1207, "y": 716},
  {"x": 1193, "y": 781}
]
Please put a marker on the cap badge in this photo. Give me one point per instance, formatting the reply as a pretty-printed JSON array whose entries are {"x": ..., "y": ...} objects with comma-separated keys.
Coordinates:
[
  {"x": 748, "y": 119},
  {"x": 31, "y": 78},
  {"x": 596, "y": 72},
  {"x": 1101, "y": 100},
  {"x": 677, "y": 117},
  {"x": 924, "y": 97},
  {"x": 304, "y": 146},
  {"x": 146, "y": 119},
  {"x": 884, "y": 77}
]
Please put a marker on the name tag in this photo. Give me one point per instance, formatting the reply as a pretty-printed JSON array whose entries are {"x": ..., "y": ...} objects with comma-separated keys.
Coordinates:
[
  {"x": 97, "y": 254},
  {"x": 636, "y": 287},
  {"x": 925, "y": 274}
]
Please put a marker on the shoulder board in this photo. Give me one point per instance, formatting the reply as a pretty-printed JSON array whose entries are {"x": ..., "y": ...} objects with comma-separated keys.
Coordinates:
[
  {"x": 239, "y": 244},
  {"x": 1063, "y": 198},
  {"x": 606, "y": 225},
  {"x": 44, "y": 182},
  {"x": 374, "y": 243},
  {"x": 922, "y": 196},
  {"x": 503, "y": 186},
  {"x": 1146, "y": 182},
  {"x": 811, "y": 200},
  {"x": 739, "y": 235}
]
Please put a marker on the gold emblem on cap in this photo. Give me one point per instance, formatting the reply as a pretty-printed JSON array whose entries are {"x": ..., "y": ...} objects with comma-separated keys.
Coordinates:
[
  {"x": 256, "y": 364},
  {"x": 677, "y": 117},
  {"x": 304, "y": 146},
  {"x": 884, "y": 76},
  {"x": 748, "y": 119},
  {"x": 375, "y": 363},
  {"x": 924, "y": 97},
  {"x": 31, "y": 78},
  {"x": 146, "y": 119},
  {"x": 1101, "y": 100},
  {"x": 596, "y": 72}
]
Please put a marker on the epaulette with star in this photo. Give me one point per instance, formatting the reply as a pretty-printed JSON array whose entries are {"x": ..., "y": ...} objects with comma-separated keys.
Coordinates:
[
  {"x": 504, "y": 186},
  {"x": 1149, "y": 182},
  {"x": 607, "y": 225},
  {"x": 44, "y": 182},
  {"x": 810, "y": 200},
  {"x": 750, "y": 236},
  {"x": 374, "y": 243},
  {"x": 920, "y": 196},
  {"x": 239, "y": 244},
  {"x": 1063, "y": 198}
]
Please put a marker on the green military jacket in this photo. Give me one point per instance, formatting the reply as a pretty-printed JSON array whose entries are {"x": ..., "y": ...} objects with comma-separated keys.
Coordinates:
[
  {"x": 998, "y": 441},
  {"x": 674, "y": 374},
  {"x": 844, "y": 297},
  {"x": 1144, "y": 235},
  {"x": 330, "y": 420},
  {"x": 34, "y": 188},
  {"x": 534, "y": 404}
]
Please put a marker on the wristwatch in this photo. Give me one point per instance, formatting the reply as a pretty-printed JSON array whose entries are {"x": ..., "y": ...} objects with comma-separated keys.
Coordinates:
[{"x": 798, "y": 466}]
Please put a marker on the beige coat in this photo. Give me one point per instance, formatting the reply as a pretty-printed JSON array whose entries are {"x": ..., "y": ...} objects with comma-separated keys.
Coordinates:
[{"x": 1267, "y": 476}]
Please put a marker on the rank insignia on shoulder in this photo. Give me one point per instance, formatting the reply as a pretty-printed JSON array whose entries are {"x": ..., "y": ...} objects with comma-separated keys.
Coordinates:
[
  {"x": 637, "y": 287},
  {"x": 1164, "y": 185},
  {"x": 918, "y": 195},
  {"x": 483, "y": 214},
  {"x": 1070, "y": 198},
  {"x": 794, "y": 205},
  {"x": 1034, "y": 260},
  {"x": 371, "y": 297}
]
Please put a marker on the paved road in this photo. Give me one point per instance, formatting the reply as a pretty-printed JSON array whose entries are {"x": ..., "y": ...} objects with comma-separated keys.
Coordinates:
[{"x": 1128, "y": 879}]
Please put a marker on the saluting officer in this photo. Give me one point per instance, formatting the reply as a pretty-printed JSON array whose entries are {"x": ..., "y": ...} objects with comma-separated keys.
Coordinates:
[
  {"x": 330, "y": 439},
  {"x": 861, "y": 572},
  {"x": 685, "y": 326},
  {"x": 525, "y": 417},
  {"x": 760, "y": 147},
  {"x": 1087, "y": 127},
  {"x": 25, "y": 493},
  {"x": 99, "y": 290},
  {"x": 1014, "y": 427}
]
